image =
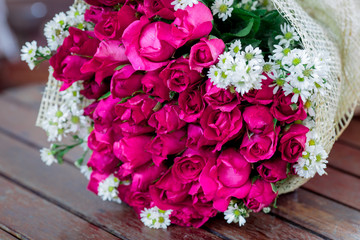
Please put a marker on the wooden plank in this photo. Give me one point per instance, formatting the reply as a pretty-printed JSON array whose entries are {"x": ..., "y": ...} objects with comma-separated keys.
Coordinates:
[
  {"x": 260, "y": 226},
  {"x": 36, "y": 218},
  {"x": 29, "y": 96},
  {"x": 319, "y": 214},
  {"x": 6, "y": 236},
  {"x": 345, "y": 158},
  {"x": 351, "y": 135},
  {"x": 67, "y": 187},
  {"x": 338, "y": 186}
]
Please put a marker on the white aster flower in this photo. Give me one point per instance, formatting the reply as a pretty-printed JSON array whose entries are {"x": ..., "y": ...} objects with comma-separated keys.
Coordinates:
[
  {"x": 28, "y": 53},
  {"x": 279, "y": 80},
  {"x": 47, "y": 157},
  {"x": 75, "y": 15},
  {"x": 280, "y": 52},
  {"x": 304, "y": 94},
  {"x": 182, "y": 4},
  {"x": 107, "y": 189},
  {"x": 295, "y": 61},
  {"x": 44, "y": 51},
  {"x": 236, "y": 214},
  {"x": 249, "y": 5},
  {"x": 289, "y": 35},
  {"x": 86, "y": 171},
  {"x": 222, "y": 8},
  {"x": 235, "y": 48},
  {"x": 252, "y": 55},
  {"x": 54, "y": 31},
  {"x": 156, "y": 218}
]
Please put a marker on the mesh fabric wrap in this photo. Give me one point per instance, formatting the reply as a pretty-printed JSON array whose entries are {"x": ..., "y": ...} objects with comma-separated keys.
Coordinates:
[{"x": 329, "y": 28}]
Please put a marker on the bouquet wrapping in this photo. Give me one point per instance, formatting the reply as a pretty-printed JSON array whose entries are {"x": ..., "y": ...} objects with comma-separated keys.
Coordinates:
[{"x": 185, "y": 116}]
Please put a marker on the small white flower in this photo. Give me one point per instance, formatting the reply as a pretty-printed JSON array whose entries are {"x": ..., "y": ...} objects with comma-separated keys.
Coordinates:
[
  {"x": 235, "y": 48},
  {"x": 156, "y": 218},
  {"x": 28, "y": 53},
  {"x": 279, "y": 81},
  {"x": 222, "y": 8},
  {"x": 182, "y": 4},
  {"x": 45, "y": 51},
  {"x": 236, "y": 214},
  {"x": 107, "y": 189},
  {"x": 249, "y": 4},
  {"x": 47, "y": 157},
  {"x": 289, "y": 35},
  {"x": 86, "y": 171},
  {"x": 54, "y": 31},
  {"x": 75, "y": 15},
  {"x": 280, "y": 52},
  {"x": 303, "y": 94}
]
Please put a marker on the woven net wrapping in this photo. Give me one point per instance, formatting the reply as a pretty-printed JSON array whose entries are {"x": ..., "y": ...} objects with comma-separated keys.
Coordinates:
[{"x": 328, "y": 28}]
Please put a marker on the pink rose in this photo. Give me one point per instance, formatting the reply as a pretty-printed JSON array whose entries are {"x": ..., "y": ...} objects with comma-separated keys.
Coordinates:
[
  {"x": 131, "y": 151},
  {"x": 138, "y": 200},
  {"x": 273, "y": 171},
  {"x": 161, "y": 8},
  {"x": 134, "y": 114},
  {"x": 94, "y": 14},
  {"x": 221, "y": 126},
  {"x": 109, "y": 3},
  {"x": 205, "y": 53},
  {"x": 187, "y": 168},
  {"x": 147, "y": 44},
  {"x": 259, "y": 147},
  {"x": 95, "y": 144},
  {"x": 220, "y": 99},
  {"x": 292, "y": 143},
  {"x": 196, "y": 139},
  {"x": 92, "y": 90},
  {"x": 153, "y": 85},
  {"x": 146, "y": 175},
  {"x": 258, "y": 119},
  {"x": 261, "y": 195},
  {"x": 227, "y": 177},
  {"x": 89, "y": 110},
  {"x": 167, "y": 119},
  {"x": 125, "y": 82},
  {"x": 108, "y": 57},
  {"x": 192, "y": 104},
  {"x": 113, "y": 24},
  {"x": 286, "y": 111},
  {"x": 77, "y": 49},
  {"x": 189, "y": 216},
  {"x": 262, "y": 96},
  {"x": 166, "y": 144},
  {"x": 178, "y": 76},
  {"x": 189, "y": 24},
  {"x": 103, "y": 162},
  {"x": 95, "y": 179},
  {"x": 104, "y": 114}
]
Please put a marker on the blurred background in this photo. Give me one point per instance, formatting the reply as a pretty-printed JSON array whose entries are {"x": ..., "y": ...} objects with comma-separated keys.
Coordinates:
[{"x": 22, "y": 21}]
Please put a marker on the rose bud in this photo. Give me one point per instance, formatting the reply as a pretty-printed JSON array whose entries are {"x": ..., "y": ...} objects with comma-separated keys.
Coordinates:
[
  {"x": 196, "y": 139},
  {"x": 125, "y": 82},
  {"x": 167, "y": 119},
  {"x": 261, "y": 195},
  {"x": 273, "y": 171},
  {"x": 154, "y": 86},
  {"x": 258, "y": 119},
  {"x": 192, "y": 105},
  {"x": 286, "y": 111},
  {"x": 292, "y": 143}
]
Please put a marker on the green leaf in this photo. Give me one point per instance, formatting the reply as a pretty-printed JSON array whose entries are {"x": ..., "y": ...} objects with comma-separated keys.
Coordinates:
[
  {"x": 106, "y": 95},
  {"x": 275, "y": 202},
  {"x": 275, "y": 122},
  {"x": 120, "y": 67},
  {"x": 274, "y": 187},
  {"x": 255, "y": 178},
  {"x": 125, "y": 99}
]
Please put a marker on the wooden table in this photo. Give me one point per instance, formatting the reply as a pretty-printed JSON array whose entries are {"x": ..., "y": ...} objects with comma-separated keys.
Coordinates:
[{"x": 40, "y": 202}]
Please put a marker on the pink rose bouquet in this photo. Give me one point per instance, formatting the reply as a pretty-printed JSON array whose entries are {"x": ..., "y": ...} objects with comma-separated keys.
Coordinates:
[{"x": 186, "y": 108}]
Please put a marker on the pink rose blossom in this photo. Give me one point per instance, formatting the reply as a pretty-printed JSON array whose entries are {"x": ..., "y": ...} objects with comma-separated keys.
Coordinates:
[
  {"x": 273, "y": 171},
  {"x": 125, "y": 82},
  {"x": 261, "y": 195},
  {"x": 161, "y": 8},
  {"x": 261, "y": 96},
  {"x": 92, "y": 90},
  {"x": 196, "y": 139},
  {"x": 153, "y": 85},
  {"x": 94, "y": 13},
  {"x": 95, "y": 179},
  {"x": 286, "y": 111},
  {"x": 192, "y": 105},
  {"x": 258, "y": 119},
  {"x": 103, "y": 162},
  {"x": 167, "y": 119},
  {"x": 292, "y": 143}
]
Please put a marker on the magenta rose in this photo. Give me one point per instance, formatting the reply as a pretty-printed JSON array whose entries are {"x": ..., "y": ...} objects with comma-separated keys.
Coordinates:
[
  {"x": 103, "y": 162},
  {"x": 258, "y": 119},
  {"x": 94, "y": 13},
  {"x": 131, "y": 151},
  {"x": 153, "y": 85},
  {"x": 125, "y": 82},
  {"x": 92, "y": 90},
  {"x": 167, "y": 119},
  {"x": 89, "y": 110},
  {"x": 95, "y": 179},
  {"x": 292, "y": 143},
  {"x": 95, "y": 144},
  {"x": 221, "y": 126},
  {"x": 259, "y": 147},
  {"x": 261, "y": 195},
  {"x": 192, "y": 105},
  {"x": 168, "y": 193},
  {"x": 227, "y": 177},
  {"x": 147, "y": 44},
  {"x": 161, "y": 8},
  {"x": 76, "y": 50},
  {"x": 178, "y": 76},
  {"x": 196, "y": 139},
  {"x": 187, "y": 168},
  {"x": 189, "y": 216},
  {"x": 109, "y": 3},
  {"x": 146, "y": 175},
  {"x": 166, "y": 144},
  {"x": 220, "y": 99},
  {"x": 205, "y": 53},
  {"x": 286, "y": 111},
  {"x": 134, "y": 114},
  {"x": 104, "y": 114},
  {"x": 137, "y": 200},
  {"x": 262, "y": 96},
  {"x": 189, "y": 24},
  {"x": 109, "y": 56},
  {"x": 113, "y": 24},
  {"x": 273, "y": 171}
]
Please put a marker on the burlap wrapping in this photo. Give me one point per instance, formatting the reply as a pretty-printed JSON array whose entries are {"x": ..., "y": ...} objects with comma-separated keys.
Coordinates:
[{"x": 329, "y": 28}]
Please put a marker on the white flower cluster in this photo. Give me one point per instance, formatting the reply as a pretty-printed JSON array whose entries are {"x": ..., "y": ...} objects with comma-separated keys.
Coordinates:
[
  {"x": 30, "y": 53},
  {"x": 222, "y": 8},
  {"x": 296, "y": 71},
  {"x": 236, "y": 213},
  {"x": 182, "y": 4},
  {"x": 67, "y": 119},
  {"x": 155, "y": 218},
  {"x": 313, "y": 159},
  {"x": 107, "y": 189},
  {"x": 57, "y": 29},
  {"x": 239, "y": 70},
  {"x": 47, "y": 156},
  {"x": 86, "y": 171}
]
